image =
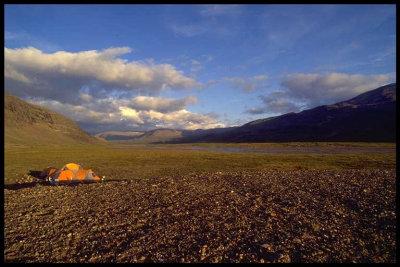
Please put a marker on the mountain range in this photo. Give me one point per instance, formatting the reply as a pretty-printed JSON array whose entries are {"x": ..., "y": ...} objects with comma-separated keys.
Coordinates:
[{"x": 368, "y": 117}]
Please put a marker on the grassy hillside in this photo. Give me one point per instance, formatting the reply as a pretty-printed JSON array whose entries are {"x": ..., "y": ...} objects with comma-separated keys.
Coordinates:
[{"x": 29, "y": 125}]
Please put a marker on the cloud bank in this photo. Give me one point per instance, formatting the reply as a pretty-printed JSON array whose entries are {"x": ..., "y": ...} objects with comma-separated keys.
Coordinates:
[
  {"x": 42, "y": 72},
  {"x": 140, "y": 113},
  {"x": 275, "y": 102},
  {"x": 97, "y": 89},
  {"x": 320, "y": 89},
  {"x": 161, "y": 104}
]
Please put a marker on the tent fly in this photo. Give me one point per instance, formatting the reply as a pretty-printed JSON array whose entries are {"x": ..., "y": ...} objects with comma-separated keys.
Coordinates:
[{"x": 70, "y": 173}]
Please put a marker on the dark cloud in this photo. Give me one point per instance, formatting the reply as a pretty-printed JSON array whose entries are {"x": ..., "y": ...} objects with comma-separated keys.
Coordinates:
[
  {"x": 302, "y": 91},
  {"x": 329, "y": 88},
  {"x": 275, "y": 102}
]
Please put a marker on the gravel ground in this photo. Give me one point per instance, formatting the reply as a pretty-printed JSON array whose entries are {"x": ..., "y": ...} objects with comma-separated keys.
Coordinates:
[{"x": 249, "y": 216}]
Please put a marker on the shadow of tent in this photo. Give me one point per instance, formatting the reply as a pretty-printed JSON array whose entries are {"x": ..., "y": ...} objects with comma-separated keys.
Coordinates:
[
  {"x": 35, "y": 174},
  {"x": 45, "y": 183}
]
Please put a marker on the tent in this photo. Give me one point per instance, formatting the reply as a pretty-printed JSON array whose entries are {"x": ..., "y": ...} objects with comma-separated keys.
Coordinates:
[
  {"x": 47, "y": 172},
  {"x": 70, "y": 173}
]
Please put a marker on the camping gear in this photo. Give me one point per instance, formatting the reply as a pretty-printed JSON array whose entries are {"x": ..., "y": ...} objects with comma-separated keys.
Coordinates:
[
  {"x": 47, "y": 172},
  {"x": 70, "y": 173}
]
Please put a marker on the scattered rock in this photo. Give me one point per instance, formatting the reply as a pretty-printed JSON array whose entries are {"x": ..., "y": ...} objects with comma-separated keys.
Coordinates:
[{"x": 252, "y": 216}]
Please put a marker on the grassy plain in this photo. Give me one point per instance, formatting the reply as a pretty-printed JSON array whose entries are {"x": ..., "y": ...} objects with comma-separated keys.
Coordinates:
[
  {"x": 183, "y": 205},
  {"x": 273, "y": 145},
  {"x": 140, "y": 162}
]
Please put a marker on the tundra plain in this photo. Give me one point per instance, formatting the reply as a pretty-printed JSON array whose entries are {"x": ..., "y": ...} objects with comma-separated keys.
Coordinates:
[{"x": 178, "y": 204}]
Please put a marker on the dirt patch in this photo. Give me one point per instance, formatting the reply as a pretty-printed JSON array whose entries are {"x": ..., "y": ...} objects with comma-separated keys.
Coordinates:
[{"x": 248, "y": 216}]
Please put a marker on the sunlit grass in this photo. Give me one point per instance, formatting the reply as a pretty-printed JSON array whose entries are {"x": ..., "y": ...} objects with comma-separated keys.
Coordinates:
[{"x": 141, "y": 162}]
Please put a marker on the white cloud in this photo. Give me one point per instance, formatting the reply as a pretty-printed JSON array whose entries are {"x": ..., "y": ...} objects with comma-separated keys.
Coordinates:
[
  {"x": 94, "y": 88},
  {"x": 182, "y": 119},
  {"x": 161, "y": 104},
  {"x": 140, "y": 113},
  {"x": 11, "y": 73},
  {"x": 247, "y": 84},
  {"x": 85, "y": 97},
  {"x": 131, "y": 114},
  {"x": 67, "y": 72}
]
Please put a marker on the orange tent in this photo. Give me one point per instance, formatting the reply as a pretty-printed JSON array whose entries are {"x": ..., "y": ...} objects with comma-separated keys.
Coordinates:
[
  {"x": 47, "y": 172},
  {"x": 70, "y": 173}
]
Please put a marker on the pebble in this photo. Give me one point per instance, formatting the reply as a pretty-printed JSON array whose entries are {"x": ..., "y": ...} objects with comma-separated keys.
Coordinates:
[{"x": 107, "y": 218}]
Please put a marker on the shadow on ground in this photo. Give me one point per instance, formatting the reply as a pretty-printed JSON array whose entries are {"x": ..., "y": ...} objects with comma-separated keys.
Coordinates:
[
  {"x": 25, "y": 185},
  {"x": 44, "y": 182},
  {"x": 35, "y": 174},
  {"x": 41, "y": 183}
]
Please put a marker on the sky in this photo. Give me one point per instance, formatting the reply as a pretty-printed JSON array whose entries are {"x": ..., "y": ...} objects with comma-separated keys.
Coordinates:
[{"x": 143, "y": 67}]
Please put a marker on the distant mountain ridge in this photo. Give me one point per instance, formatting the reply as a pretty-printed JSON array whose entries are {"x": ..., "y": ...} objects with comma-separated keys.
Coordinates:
[
  {"x": 368, "y": 117},
  {"x": 28, "y": 124},
  {"x": 163, "y": 135},
  {"x": 117, "y": 135}
]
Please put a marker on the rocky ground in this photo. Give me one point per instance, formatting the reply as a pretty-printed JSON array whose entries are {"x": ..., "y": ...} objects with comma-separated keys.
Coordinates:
[{"x": 249, "y": 216}]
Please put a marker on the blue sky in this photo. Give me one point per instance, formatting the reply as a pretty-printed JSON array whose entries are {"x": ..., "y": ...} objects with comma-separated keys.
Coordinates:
[{"x": 140, "y": 67}]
